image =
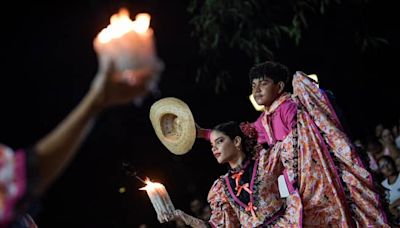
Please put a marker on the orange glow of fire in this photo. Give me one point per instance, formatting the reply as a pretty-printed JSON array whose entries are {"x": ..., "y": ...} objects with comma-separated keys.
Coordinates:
[
  {"x": 120, "y": 24},
  {"x": 150, "y": 185}
]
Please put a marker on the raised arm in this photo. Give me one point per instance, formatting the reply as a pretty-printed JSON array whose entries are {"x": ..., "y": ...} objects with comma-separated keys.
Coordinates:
[
  {"x": 108, "y": 88},
  {"x": 202, "y": 133}
]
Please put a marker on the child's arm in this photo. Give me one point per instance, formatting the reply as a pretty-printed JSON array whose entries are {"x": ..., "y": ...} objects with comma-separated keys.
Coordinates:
[{"x": 203, "y": 133}]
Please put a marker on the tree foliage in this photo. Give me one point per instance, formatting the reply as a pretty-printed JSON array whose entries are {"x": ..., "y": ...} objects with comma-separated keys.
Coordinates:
[{"x": 253, "y": 27}]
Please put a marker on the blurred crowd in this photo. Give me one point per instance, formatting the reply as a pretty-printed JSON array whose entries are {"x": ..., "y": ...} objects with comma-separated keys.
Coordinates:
[{"x": 381, "y": 151}]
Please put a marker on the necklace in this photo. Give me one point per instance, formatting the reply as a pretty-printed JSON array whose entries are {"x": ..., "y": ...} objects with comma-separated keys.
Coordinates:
[{"x": 240, "y": 167}]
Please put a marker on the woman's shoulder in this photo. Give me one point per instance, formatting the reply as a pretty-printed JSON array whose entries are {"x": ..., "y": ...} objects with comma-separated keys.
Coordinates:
[
  {"x": 397, "y": 182},
  {"x": 217, "y": 189},
  {"x": 385, "y": 183},
  {"x": 219, "y": 182}
]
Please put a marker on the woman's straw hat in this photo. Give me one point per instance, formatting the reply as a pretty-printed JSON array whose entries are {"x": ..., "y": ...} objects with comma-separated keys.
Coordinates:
[{"x": 174, "y": 125}]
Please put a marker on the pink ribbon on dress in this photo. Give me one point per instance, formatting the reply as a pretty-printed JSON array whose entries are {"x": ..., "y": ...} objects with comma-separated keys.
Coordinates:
[
  {"x": 245, "y": 187},
  {"x": 237, "y": 177},
  {"x": 250, "y": 207}
]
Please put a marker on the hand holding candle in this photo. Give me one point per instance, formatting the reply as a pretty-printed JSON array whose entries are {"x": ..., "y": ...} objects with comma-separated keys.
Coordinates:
[
  {"x": 160, "y": 199},
  {"x": 130, "y": 46}
]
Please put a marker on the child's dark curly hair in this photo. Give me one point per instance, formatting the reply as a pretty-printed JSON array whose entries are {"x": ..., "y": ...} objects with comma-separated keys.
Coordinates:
[{"x": 273, "y": 70}]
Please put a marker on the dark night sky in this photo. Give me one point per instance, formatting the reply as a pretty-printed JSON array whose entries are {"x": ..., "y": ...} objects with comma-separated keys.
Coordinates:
[{"x": 48, "y": 63}]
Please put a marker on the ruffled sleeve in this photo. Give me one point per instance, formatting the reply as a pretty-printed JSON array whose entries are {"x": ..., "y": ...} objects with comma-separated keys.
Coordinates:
[
  {"x": 258, "y": 125},
  {"x": 12, "y": 181},
  {"x": 314, "y": 99},
  {"x": 222, "y": 214},
  {"x": 331, "y": 163},
  {"x": 15, "y": 186}
]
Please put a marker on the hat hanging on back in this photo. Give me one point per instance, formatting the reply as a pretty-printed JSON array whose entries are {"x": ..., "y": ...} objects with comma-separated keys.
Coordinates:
[{"x": 174, "y": 125}]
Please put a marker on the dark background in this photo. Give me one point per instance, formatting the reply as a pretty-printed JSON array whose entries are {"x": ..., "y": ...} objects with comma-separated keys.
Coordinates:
[{"x": 48, "y": 63}]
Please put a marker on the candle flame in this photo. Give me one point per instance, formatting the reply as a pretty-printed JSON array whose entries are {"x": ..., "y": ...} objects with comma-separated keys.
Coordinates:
[
  {"x": 120, "y": 24},
  {"x": 141, "y": 23},
  {"x": 150, "y": 185}
]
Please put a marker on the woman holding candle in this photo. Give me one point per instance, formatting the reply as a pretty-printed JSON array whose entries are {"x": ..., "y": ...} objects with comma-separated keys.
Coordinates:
[
  {"x": 26, "y": 173},
  {"x": 248, "y": 194},
  {"x": 321, "y": 164}
]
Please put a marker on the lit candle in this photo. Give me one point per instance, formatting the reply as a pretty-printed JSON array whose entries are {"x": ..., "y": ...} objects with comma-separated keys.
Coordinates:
[
  {"x": 130, "y": 44},
  {"x": 160, "y": 199}
]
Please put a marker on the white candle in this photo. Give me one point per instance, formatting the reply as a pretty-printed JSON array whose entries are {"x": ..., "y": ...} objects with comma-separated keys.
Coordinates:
[
  {"x": 129, "y": 43},
  {"x": 160, "y": 199}
]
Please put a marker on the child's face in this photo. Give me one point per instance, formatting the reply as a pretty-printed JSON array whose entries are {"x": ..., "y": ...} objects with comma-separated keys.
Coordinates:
[
  {"x": 265, "y": 91},
  {"x": 386, "y": 168}
]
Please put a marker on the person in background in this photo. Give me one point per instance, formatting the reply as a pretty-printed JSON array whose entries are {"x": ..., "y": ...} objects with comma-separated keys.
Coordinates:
[
  {"x": 206, "y": 213},
  {"x": 26, "y": 173},
  {"x": 196, "y": 207},
  {"x": 389, "y": 146},
  {"x": 378, "y": 130},
  {"x": 374, "y": 150},
  {"x": 396, "y": 132},
  {"x": 392, "y": 183}
]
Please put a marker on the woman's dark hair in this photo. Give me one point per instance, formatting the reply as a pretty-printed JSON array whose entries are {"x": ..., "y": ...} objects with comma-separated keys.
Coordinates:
[
  {"x": 245, "y": 131},
  {"x": 273, "y": 70}
]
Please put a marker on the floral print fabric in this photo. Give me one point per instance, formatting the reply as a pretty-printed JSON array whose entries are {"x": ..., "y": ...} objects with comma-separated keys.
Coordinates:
[
  {"x": 12, "y": 182},
  {"x": 335, "y": 187},
  {"x": 270, "y": 209}
]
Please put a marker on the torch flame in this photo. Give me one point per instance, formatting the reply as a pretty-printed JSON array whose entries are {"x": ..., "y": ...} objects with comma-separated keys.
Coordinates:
[
  {"x": 120, "y": 24},
  {"x": 150, "y": 185}
]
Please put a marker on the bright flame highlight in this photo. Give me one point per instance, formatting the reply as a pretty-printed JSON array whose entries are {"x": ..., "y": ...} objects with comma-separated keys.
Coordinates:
[
  {"x": 313, "y": 77},
  {"x": 150, "y": 185},
  {"x": 120, "y": 24},
  {"x": 141, "y": 23}
]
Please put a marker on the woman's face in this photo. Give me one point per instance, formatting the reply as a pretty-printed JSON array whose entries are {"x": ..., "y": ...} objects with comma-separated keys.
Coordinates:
[
  {"x": 374, "y": 147},
  {"x": 265, "y": 91},
  {"x": 378, "y": 130},
  {"x": 386, "y": 167},
  {"x": 387, "y": 136},
  {"x": 223, "y": 147}
]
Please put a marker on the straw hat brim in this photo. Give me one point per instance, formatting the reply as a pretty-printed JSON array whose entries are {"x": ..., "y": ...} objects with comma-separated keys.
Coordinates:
[{"x": 173, "y": 124}]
